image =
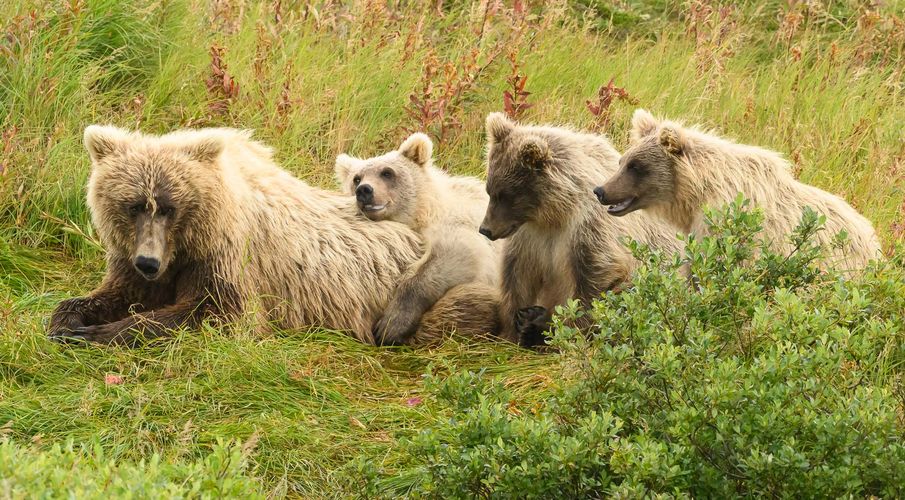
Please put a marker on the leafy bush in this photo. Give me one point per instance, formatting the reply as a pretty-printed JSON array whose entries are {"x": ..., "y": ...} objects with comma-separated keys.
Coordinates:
[
  {"x": 763, "y": 375},
  {"x": 84, "y": 472}
]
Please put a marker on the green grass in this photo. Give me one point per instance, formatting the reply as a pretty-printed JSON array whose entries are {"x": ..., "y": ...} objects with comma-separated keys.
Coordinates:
[{"x": 315, "y": 400}]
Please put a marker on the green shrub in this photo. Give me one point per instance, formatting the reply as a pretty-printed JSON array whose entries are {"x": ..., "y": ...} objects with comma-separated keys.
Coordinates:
[
  {"x": 84, "y": 472},
  {"x": 766, "y": 377}
]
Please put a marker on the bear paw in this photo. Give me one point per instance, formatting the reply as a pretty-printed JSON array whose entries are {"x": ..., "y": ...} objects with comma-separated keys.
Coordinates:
[
  {"x": 394, "y": 330},
  {"x": 109, "y": 333},
  {"x": 66, "y": 317},
  {"x": 530, "y": 325}
]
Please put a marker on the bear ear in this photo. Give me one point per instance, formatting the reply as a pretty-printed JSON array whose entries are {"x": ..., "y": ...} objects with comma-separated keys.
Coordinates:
[
  {"x": 205, "y": 150},
  {"x": 418, "y": 148},
  {"x": 103, "y": 140},
  {"x": 498, "y": 127},
  {"x": 671, "y": 140},
  {"x": 343, "y": 169},
  {"x": 534, "y": 154},
  {"x": 643, "y": 124}
]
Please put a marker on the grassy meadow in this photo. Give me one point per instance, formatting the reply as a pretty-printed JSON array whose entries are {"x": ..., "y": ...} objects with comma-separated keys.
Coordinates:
[{"x": 240, "y": 414}]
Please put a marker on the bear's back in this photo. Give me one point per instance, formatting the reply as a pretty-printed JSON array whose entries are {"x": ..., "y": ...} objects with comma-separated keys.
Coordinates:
[
  {"x": 309, "y": 257},
  {"x": 459, "y": 200},
  {"x": 765, "y": 178}
]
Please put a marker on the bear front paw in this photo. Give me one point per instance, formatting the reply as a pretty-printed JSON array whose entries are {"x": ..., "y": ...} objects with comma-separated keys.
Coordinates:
[
  {"x": 394, "y": 330},
  {"x": 530, "y": 324},
  {"x": 66, "y": 317}
]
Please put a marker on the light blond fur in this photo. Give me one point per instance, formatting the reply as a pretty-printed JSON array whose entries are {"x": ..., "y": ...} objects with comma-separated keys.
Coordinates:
[
  {"x": 710, "y": 171},
  {"x": 446, "y": 211},
  {"x": 304, "y": 255}
]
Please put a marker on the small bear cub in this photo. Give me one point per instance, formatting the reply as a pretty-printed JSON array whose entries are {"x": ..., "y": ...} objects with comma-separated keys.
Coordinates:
[{"x": 404, "y": 186}]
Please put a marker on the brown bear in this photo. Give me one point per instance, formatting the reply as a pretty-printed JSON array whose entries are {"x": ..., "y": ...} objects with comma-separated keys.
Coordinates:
[
  {"x": 560, "y": 242},
  {"x": 673, "y": 172},
  {"x": 203, "y": 223},
  {"x": 404, "y": 186}
]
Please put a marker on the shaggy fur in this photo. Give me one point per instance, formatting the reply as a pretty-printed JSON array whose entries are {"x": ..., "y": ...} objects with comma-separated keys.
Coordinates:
[
  {"x": 560, "y": 242},
  {"x": 229, "y": 232},
  {"x": 404, "y": 186},
  {"x": 673, "y": 171}
]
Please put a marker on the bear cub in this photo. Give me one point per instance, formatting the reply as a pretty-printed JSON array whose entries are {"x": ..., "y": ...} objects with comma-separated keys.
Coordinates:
[
  {"x": 673, "y": 172},
  {"x": 404, "y": 186},
  {"x": 560, "y": 244}
]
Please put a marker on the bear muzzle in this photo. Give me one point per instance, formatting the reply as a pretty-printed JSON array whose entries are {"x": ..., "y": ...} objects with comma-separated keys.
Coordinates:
[
  {"x": 600, "y": 194},
  {"x": 617, "y": 207},
  {"x": 364, "y": 194},
  {"x": 147, "y": 266}
]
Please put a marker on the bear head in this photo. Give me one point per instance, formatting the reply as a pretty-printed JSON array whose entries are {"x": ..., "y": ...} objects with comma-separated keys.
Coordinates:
[
  {"x": 144, "y": 193},
  {"x": 647, "y": 171},
  {"x": 386, "y": 187},
  {"x": 517, "y": 164}
]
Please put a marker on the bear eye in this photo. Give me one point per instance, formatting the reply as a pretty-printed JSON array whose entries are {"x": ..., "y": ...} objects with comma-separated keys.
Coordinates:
[
  {"x": 387, "y": 174},
  {"x": 164, "y": 211},
  {"x": 356, "y": 180},
  {"x": 136, "y": 209}
]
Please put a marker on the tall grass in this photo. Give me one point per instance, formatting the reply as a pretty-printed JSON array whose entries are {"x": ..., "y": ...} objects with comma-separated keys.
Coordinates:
[{"x": 822, "y": 82}]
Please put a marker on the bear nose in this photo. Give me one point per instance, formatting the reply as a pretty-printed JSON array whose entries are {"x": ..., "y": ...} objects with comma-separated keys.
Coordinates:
[
  {"x": 147, "y": 265},
  {"x": 601, "y": 195},
  {"x": 486, "y": 232},
  {"x": 364, "y": 193}
]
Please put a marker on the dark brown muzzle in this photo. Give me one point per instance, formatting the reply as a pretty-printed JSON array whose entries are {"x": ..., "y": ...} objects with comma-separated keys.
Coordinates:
[{"x": 494, "y": 230}]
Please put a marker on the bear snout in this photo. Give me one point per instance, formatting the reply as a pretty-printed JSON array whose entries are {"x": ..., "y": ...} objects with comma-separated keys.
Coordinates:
[
  {"x": 601, "y": 194},
  {"x": 487, "y": 233},
  {"x": 147, "y": 265},
  {"x": 364, "y": 193}
]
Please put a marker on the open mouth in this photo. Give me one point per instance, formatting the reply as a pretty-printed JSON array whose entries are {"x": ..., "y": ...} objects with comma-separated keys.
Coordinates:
[
  {"x": 373, "y": 208},
  {"x": 621, "y": 208}
]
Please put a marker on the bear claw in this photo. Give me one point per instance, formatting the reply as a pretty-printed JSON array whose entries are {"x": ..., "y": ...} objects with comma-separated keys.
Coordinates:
[{"x": 68, "y": 339}]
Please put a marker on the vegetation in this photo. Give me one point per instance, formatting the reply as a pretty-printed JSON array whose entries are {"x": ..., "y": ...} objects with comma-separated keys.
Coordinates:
[
  {"x": 83, "y": 472},
  {"x": 772, "y": 378}
]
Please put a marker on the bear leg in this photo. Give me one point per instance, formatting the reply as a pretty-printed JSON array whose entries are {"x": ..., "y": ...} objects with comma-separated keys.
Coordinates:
[{"x": 102, "y": 306}]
